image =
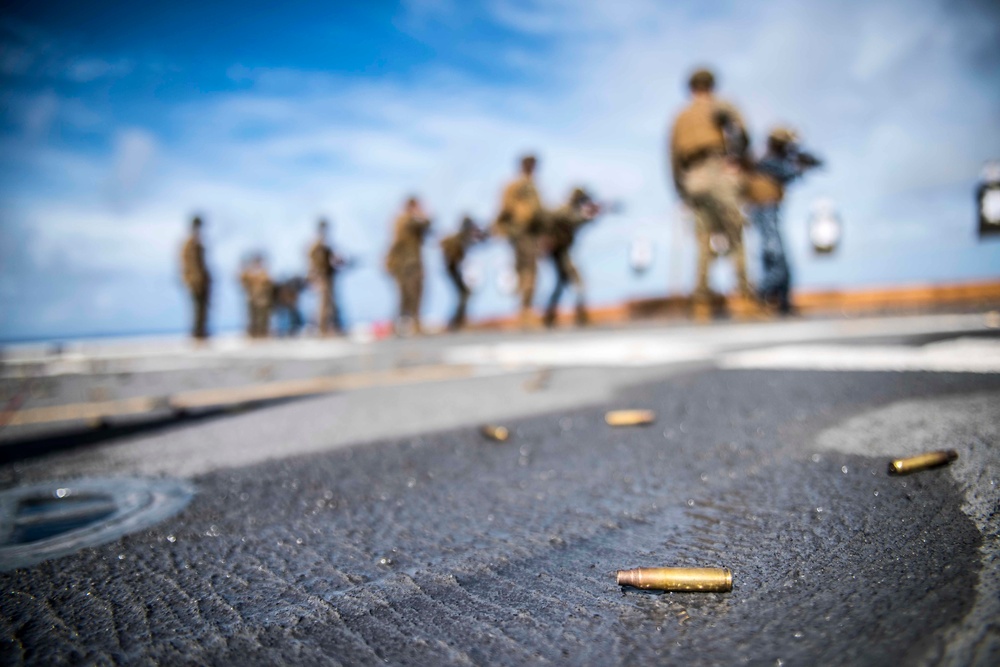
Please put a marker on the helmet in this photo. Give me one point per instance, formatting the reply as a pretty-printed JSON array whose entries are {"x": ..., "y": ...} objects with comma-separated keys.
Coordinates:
[
  {"x": 783, "y": 135},
  {"x": 702, "y": 79}
]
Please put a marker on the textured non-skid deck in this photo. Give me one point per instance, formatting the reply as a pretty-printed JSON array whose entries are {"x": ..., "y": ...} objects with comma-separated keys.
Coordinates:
[{"x": 452, "y": 549}]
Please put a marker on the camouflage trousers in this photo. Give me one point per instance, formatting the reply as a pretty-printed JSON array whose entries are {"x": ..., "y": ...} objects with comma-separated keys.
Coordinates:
[
  {"x": 199, "y": 299},
  {"x": 410, "y": 281},
  {"x": 259, "y": 318},
  {"x": 327, "y": 315},
  {"x": 713, "y": 193},
  {"x": 526, "y": 265},
  {"x": 455, "y": 274},
  {"x": 566, "y": 274}
]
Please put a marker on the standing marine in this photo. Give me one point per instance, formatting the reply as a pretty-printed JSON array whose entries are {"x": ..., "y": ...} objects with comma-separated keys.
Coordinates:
[
  {"x": 405, "y": 263},
  {"x": 323, "y": 266},
  {"x": 782, "y": 163},
  {"x": 521, "y": 220},
  {"x": 259, "y": 291},
  {"x": 197, "y": 279},
  {"x": 454, "y": 247},
  {"x": 707, "y": 144},
  {"x": 562, "y": 225}
]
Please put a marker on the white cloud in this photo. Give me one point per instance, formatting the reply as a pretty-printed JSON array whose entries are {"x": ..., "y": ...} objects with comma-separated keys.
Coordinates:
[
  {"x": 26, "y": 51},
  {"x": 134, "y": 152}
]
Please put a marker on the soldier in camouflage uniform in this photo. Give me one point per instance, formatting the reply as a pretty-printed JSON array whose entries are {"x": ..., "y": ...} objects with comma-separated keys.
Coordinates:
[
  {"x": 405, "y": 263},
  {"x": 562, "y": 226},
  {"x": 454, "y": 247},
  {"x": 259, "y": 291},
  {"x": 706, "y": 144},
  {"x": 521, "y": 220},
  {"x": 323, "y": 265},
  {"x": 197, "y": 279}
]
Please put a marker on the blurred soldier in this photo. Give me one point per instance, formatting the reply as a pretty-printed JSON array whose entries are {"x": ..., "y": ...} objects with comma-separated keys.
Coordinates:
[
  {"x": 405, "y": 263},
  {"x": 259, "y": 294},
  {"x": 706, "y": 145},
  {"x": 197, "y": 279},
  {"x": 521, "y": 220},
  {"x": 782, "y": 163},
  {"x": 561, "y": 228},
  {"x": 286, "y": 305},
  {"x": 323, "y": 266},
  {"x": 454, "y": 248}
]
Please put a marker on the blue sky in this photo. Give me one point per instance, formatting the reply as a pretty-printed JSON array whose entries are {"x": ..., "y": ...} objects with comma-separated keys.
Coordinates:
[{"x": 120, "y": 120}]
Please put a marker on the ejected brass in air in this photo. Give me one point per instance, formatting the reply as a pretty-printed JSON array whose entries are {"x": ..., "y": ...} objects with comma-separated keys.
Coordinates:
[
  {"x": 705, "y": 579},
  {"x": 498, "y": 433},
  {"x": 922, "y": 462},
  {"x": 629, "y": 417}
]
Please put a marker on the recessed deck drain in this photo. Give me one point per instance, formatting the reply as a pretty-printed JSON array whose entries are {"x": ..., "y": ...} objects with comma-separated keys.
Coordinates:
[{"x": 52, "y": 519}]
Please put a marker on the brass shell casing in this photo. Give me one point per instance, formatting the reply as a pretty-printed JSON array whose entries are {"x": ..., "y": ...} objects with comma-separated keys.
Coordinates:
[
  {"x": 498, "y": 433},
  {"x": 703, "y": 579},
  {"x": 922, "y": 462},
  {"x": 629, "y": 417}
]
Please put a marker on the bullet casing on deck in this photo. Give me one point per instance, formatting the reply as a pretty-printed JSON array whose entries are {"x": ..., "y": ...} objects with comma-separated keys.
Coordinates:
[
  {"x": 703, "y": 579},
  {"x": 629, "y": 417},
  {"x": 498, "y": 433},
  {"x": 922, "y": 462}
]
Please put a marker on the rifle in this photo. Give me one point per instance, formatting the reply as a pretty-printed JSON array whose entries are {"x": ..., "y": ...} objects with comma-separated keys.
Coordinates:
[
  {"x": 591, "y": 208},
  {"x": 737, "y": 142},
  {"x": 340, "y": 263},
  {"x": 806, "y": 160}
]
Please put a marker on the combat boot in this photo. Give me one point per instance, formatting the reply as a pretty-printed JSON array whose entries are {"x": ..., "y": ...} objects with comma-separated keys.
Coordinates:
[
  {"x": 746, "y": 307},
  {"x": 526, "y": 320},
  {"x": 701, "y": 312},
  {"x": 701, "y": 307}
]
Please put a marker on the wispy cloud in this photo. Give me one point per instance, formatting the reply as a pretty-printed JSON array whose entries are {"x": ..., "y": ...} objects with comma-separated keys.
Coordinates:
[{"x": 86, "y": 70}]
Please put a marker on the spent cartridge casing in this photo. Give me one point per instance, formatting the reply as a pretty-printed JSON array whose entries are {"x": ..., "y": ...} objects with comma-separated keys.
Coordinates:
[
  {"x": 922, "y": 462},
  {"x": 704, "y": 579},
  {"x": 493, "y": 432},
  {"x": 629, "y": 417}
]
